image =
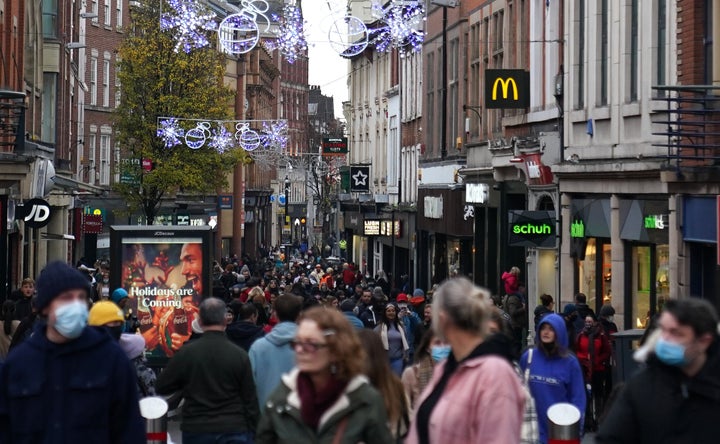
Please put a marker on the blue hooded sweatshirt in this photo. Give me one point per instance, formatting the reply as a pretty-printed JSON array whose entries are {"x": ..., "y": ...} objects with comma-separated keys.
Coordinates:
[
  {"x": 271, "y": 357},
  {"x": 554, "y": 379}
]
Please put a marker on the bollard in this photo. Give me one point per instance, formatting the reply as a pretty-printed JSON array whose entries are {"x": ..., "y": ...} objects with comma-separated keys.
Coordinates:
[
  {"x": 154, "y": 410},
  {"x": 564, "y": 424}
]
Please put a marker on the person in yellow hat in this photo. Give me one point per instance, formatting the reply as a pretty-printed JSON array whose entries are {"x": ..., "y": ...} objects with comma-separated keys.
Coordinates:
[{"x": 109, "y": 316}]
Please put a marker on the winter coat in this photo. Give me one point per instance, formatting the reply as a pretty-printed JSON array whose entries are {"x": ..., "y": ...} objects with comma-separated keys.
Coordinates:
[
  {"x": 82, "y": 391},
  {"x": 661, "y": 405},
  {"x": 244, "y": 333},
  {"x": 360, "y": 404},
  {"x": 600, "y": 354},
  {"x": 554, "y": 379},
  {"x": 486, "y": 384},
  {"x": 271, "y": 357},
  {"x": 215, "y": 379},
  {"x": 539, "y": 312},
  {"x": 510, "y": 282},
  {"x": 354, "y": 320}
]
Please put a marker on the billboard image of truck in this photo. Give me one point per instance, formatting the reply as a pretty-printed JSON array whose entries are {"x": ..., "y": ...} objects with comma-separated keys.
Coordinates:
[{"x": 166, "y": 272}]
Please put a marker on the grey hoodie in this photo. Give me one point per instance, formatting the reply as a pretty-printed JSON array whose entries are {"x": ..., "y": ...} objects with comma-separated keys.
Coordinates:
[{"x": 271, "y": 357}]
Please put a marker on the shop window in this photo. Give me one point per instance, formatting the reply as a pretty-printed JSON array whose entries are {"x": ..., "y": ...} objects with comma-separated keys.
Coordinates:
[
  {"x": 595, "y": 273},
  {"x": 650, "y": 280}
]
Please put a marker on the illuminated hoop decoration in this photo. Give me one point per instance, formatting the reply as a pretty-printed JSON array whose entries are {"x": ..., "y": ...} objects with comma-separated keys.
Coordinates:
[
  {"x": 247, "y": 138},
  {"x": 170, "y": 132},
  {"x": 196, "y": 137},
  {"x": 239, "y": 33},
  {"x": 290, "y": 33},
  {"x": 348, "y": 36},
  {"x": 188, "y": 21},
  {"x": 403, "y": 26}
]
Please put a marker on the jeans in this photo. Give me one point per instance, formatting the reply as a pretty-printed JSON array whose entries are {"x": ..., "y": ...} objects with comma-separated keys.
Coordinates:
[{"x": 218, "y": 438}]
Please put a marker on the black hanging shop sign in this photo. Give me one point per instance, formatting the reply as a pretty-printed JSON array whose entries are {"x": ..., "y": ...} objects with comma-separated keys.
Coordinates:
[{"x": 532, "y": 229}]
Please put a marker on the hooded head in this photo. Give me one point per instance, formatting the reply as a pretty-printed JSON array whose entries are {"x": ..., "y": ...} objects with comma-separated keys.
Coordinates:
[{"x": 558, "y": 325}]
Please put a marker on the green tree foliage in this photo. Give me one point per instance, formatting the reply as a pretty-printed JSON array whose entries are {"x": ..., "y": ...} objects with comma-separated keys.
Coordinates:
[{"x": 158, "y": 82}]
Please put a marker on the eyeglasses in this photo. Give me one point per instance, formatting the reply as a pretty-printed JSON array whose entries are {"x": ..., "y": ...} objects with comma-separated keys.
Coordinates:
[{"x": 307, "y": 347}]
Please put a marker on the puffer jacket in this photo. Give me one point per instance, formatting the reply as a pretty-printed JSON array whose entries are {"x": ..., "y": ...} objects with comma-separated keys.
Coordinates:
[
  {"x": 361, "y": 404},
  {"x": 661, "y": 405}
]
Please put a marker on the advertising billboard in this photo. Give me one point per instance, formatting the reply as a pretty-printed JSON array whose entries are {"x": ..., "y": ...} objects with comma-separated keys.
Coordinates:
[{"x": 166, "y": 272}]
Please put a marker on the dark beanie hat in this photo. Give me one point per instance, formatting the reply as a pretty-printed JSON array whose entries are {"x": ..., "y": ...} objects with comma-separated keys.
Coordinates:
[{"x": 58, "y": 277}]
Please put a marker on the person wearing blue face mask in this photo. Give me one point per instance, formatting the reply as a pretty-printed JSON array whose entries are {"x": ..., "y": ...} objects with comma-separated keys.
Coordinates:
[
  {"x": 431, "y": 350},
  {"x": 67, "y": 381},
  {"x": 675, "y": 398}
]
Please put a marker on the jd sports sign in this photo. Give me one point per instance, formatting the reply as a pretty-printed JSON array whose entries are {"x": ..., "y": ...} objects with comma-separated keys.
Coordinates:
[
  {"x": 507, "y": 88},
  {"x": 35, "y": 213}
]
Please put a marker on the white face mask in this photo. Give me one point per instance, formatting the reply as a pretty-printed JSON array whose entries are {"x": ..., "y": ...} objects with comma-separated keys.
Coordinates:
[{"x": 609, "y": 318}]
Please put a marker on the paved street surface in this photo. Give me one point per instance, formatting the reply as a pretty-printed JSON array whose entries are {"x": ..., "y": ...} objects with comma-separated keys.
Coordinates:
[{"x": 175, "y": 437}]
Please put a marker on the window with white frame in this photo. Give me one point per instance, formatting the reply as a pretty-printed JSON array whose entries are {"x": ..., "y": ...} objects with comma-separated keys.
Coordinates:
[
  {"x": 91, "y": 166},
  {"x": 93, "y": 80},
  {"x": 117, "y": 82},
  {"x": 105, "y": 159},
  {"x": 118, "y": 13},
  {"x": 116, "y": 161},
  {"x": 106, "y": 11},
  {"x": 106, "y": 83},
  {"x": 95, "y": 11}
]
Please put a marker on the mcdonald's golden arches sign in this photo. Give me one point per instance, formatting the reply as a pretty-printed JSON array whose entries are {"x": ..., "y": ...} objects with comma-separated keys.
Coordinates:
[{"x": 507, "y": 88}]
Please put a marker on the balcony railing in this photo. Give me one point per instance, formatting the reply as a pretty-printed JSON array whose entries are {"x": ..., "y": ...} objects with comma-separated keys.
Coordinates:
[{"x": 690, "y": 124}]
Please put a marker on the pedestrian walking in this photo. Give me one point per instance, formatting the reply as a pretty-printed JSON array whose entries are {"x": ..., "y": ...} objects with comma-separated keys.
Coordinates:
[
  {"x": 272, "y": 356},
  {"x": 472, "y": 379},
  {"x": 326, "y": 398},
  {"x": 394, "y": 339},
  {"x": 593, "y": 351},
  {"x": 554, "y": 373},
  {"x": 215, "y": 379},
  {"x": 675, "y": 398},
  {"x": 378, "y": 370},
  {"x": 67, "y": 383},
  {"x": 416, "y": 377}
]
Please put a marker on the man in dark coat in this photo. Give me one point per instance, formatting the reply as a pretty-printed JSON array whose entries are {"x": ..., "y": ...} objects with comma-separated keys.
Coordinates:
[
  {"x": 244, "y": 330},
  {"x": 216, "y": 381},
  {"x": 68, "y": 382},
  {"x": 676, "y": 397}
]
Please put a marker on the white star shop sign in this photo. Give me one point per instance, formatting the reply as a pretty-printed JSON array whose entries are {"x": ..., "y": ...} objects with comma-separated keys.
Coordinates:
[{"x": 360, "y": 179}]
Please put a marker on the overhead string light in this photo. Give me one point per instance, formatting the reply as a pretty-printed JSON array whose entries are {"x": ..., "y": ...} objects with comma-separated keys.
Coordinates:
[
  {"x": 290, "y": 33},
  {"x": 402, "y": 24},
  {"x": 189, "y": 21},
  {"x": 250, "y": 135}
]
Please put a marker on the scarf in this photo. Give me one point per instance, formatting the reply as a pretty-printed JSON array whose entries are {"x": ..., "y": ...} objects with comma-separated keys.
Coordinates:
[
  {"x": 314, "y": 403},
  {"x": 384, "y": 336}
]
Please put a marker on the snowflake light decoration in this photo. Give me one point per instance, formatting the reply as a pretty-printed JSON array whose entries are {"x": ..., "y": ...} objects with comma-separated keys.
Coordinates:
[
  {"x": 275, "y": 135},
  {"x": 222, "y": 139},
  {"x": 290, "y": 33},
  {"x": 170, "y": 132},
  {"x": 403, "y": 26},
  {"x": 188, "y": 20}
]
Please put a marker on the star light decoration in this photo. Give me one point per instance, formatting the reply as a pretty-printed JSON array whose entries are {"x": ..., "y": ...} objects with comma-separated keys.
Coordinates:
[
  {"x": 170, "y": 132},
  {"x": 290, "y": 33},
  {"x": 254, "y": 136},
  {"x": 188, "y": 20},
  {"x": 403, "y": 26}
]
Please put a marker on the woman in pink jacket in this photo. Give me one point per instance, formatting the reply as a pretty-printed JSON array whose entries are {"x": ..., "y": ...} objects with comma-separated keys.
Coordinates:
[{"x": 474, "y": 395}]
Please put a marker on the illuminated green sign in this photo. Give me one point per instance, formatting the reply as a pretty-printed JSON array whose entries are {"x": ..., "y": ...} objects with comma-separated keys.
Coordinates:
[
  {"x": 654, "y": 222},
  {"x": 577, "y": 229},
  {"x": 532, "y": 229}
]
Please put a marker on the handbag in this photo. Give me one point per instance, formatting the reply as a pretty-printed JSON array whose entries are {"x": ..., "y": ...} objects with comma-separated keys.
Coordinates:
[{"x": 529, "y": 432}]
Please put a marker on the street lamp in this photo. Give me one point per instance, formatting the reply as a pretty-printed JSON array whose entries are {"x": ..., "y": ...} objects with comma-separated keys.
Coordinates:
[{"x": 287, "y": 216}]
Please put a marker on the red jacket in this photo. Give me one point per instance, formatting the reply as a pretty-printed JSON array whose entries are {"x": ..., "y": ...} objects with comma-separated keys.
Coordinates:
[
  {"x": 511, "y": 282},
  {"x": 348, "y": 276},
  {"x": 601, "y": 349}
]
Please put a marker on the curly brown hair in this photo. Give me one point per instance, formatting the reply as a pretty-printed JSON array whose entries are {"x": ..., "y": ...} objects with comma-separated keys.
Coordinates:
[{"x": 343, "y": 343}]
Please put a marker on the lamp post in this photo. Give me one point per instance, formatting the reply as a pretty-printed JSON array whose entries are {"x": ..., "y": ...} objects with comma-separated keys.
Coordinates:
[{"x": 287, "y": 217}]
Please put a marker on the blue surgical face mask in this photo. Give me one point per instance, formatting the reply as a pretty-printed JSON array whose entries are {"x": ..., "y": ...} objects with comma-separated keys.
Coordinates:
[
  {"x": 670, "y": 353},
  {"x": 440, "y": 352},
  {"x": 71, "y": 319}
]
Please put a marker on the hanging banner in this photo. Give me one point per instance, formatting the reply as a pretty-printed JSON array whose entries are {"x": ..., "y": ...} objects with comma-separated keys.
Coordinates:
[{"x": 360, "y": 179}]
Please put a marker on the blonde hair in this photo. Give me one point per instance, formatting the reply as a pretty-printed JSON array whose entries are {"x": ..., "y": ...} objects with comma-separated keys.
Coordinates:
[
  {"x": 515, "y": 270},
  {"x": 467, "y": 305},
  {"x": 343, "y": 343},
  {"x": 256, "y": 291}
]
